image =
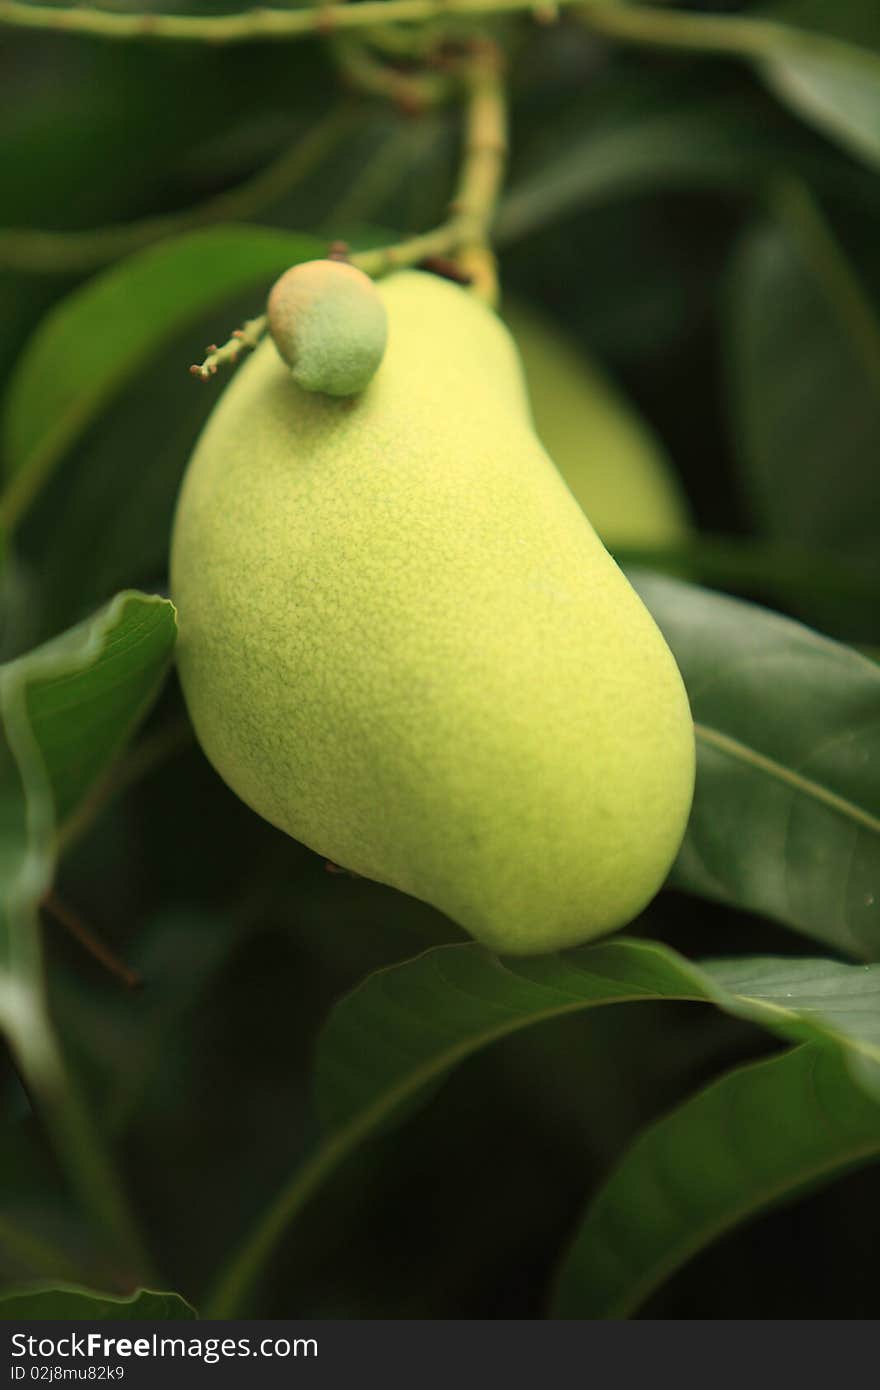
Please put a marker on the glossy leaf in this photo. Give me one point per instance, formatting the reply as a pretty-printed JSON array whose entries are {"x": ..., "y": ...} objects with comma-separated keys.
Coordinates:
[
  {"x": 144, "y": 1305},
  {"x": 406, "y": 1025},
  {"x": 758, "y": 1136},
  {"x": 804, "y": 356},
  {"x": 83, "y": 693},
  {"x": 98, "y": 337},
  {"x": 786, "y": 814},
  {"x": 395, "y": 1038},
  {"x": 67, "y": 707}
]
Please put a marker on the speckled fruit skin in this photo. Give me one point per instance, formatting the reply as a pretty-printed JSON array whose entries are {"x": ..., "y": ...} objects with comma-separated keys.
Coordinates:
[
  {"x": 328, "y": 322},
  {"x": 604, "y": 451},
  {"x": 401, "y": 641}
]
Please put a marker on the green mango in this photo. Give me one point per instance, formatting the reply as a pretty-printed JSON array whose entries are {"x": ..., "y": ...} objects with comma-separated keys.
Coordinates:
[
  {"x": 328, "y": 322},
  {"x": 402, "y": 642},
  {"x": 605, "y": 452}
]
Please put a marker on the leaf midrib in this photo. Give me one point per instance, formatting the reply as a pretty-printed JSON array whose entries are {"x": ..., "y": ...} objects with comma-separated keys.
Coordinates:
[{"x": 734, "y": 748}]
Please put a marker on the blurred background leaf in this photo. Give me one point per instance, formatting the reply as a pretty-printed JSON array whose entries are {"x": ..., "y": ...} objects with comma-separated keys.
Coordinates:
[
  {"x": 99, "y": 337},
  {"x": 840, "y": 94},
  {"x": 804, "y": 357},
  {"x": 677, "y": 130},
  {"x": 839, "y": 91}
]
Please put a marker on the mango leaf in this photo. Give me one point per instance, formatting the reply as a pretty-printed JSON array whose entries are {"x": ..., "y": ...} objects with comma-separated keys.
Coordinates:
[
  {"x": 786, "y": 814},
  {"x": 831, "y": 82},
  {"x": 83, "y": 693},
  {"x": 837, "y": 89},
  {"x": 804, "y": 366},
  {"x": 67, "y": 709},
  {"x": 407, "y": 1024},
  {"x": 726, "y": 142},
  {"x": 100, "y": 335},
  {"x": 144, "y": 1305},
  {"x": 857, "y": 21},
  {"x": 398, "y": 1035},
  {"x": 760, "y": 1135}
]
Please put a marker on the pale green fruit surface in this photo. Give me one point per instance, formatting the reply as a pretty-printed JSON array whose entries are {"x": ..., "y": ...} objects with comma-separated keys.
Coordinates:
[
  {"x": 605, "y": 452},
  {"x": 401, "y": 641},
  {"x": 329, "y": 324}
]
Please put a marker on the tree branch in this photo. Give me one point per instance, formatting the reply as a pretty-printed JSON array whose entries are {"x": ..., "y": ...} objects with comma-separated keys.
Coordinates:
[
  {"x": 250, "y": 26},
  {"x": 465, "y": 233},
  {"x": 736, "y": 35}
]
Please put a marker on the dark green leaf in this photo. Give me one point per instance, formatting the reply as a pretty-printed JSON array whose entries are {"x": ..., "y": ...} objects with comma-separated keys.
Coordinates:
[
  {"x": 805, "y": 383},
  {"x": 786, "y": 815},
  {"x": 67, "y": 709},
  {"x": 756, "y": 1137},
  {"x": 838, "y": 90},
  {"x": 830, "y": 82},
  {"x": 405, "y": 1026},
  {"x": 42, "y": 1238},
  {"x": 82, "y": 1304},
  {"x": 98, "y": 338},
  {"x": 705, "y": 141},
  {"x": 77, "y": 699},
  {"x": 126, "y": 1041},
  {"x": 399, "y": 1034},
  {"x": 839, "y": 93}
]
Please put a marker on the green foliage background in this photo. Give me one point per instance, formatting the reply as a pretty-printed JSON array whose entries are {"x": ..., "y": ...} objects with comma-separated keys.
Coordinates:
[{"x": 706, "y": 225}]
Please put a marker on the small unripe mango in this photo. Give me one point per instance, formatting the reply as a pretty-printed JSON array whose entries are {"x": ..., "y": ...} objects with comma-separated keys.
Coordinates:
[{"x": 329, "y": 325}]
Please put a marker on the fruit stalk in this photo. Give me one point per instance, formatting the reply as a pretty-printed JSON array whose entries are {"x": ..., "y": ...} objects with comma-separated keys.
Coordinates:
[
  {"x": 484, "y": 159},
  {"x": 465, "y": 233}
]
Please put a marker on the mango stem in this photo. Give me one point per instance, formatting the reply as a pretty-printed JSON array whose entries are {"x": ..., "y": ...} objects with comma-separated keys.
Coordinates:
[{"x": 464, "y": 236}]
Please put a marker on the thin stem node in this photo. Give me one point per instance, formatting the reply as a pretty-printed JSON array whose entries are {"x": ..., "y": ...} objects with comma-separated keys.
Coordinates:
[
  {"x": 463, "y": 238},
  {"x": 240, "y": 341}
]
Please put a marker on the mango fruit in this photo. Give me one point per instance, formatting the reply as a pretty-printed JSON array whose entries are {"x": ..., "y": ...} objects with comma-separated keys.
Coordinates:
[
  {"x": 606, "y": 453},
  {"x": 402, "y": 642},
  {"x": 329, "y": 324}
]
